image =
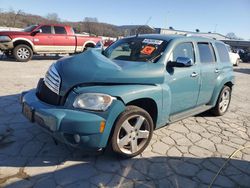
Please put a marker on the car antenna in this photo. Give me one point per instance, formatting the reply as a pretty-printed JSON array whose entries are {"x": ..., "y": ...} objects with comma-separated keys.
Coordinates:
[{"x": 138, "y": 29}]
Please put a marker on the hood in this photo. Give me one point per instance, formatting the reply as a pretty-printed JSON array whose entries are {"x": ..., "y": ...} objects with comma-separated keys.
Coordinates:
[
  {"x": 13, "y": 33},
  {"x": 91, "y": 67}
]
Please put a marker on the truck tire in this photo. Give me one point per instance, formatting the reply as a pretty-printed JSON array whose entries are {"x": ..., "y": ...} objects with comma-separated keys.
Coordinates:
[
  {"x": 22, "y": 53},
  {"x": 132, "y": 132},
  {"x": 223, "y": 102}
]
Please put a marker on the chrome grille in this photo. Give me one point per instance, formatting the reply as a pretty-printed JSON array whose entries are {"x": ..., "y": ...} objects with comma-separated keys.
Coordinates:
[{"x": 52, "y": 79}]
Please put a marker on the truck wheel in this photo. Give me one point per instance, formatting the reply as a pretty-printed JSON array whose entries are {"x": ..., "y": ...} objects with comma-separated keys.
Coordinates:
[
  {"x": 22, "y": 53},
  {"x": 133, "y": 132},
  {"x": 223, "y": 102}
]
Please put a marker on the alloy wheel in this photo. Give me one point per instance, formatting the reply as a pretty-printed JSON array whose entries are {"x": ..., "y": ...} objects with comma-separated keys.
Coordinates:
[
  {"x": 133, "y": 134},
  {"x": 23, "y": 53},
  {"x": 224, "y": 101}
]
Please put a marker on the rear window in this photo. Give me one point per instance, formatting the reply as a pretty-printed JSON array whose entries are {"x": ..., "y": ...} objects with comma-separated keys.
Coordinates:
[
  {"x": 206, "y": 52},
  {"x": 222, "y": 51},
  {"x": 59, "y": 30}
]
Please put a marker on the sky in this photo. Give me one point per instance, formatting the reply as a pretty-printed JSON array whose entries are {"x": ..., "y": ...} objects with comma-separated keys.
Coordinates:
[{"x": 221, "y": 16}]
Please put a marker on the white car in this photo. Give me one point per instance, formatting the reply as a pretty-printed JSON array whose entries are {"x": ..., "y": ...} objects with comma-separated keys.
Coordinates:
[{"x": 234, "y": 57}]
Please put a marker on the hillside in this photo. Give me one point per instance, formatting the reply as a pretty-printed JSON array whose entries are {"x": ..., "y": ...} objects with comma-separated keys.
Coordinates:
[{"x": 21, "y": 20}]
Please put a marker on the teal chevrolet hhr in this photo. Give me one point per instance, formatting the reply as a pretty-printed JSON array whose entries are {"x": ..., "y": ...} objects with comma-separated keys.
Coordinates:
[{"x": 119, "y": 96}]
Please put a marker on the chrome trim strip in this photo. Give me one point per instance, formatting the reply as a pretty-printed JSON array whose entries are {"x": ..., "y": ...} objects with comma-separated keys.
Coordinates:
[{"x": 52, "y": 79}]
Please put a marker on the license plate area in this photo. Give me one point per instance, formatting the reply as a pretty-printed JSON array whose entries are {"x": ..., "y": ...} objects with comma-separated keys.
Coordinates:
[{"x": 28, "y": 112}]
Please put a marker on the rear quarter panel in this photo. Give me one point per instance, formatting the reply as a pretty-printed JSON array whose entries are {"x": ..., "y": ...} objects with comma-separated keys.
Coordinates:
[{"x": 227, "y": 75}]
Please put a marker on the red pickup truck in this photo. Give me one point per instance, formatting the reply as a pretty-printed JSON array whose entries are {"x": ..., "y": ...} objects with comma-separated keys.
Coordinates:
[{"x": 44, "y": 39}]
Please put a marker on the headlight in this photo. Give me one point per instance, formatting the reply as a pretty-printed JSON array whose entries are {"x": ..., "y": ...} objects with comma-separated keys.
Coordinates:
[
  {"x": 5, "y": 39},
  {"x": 93, "y": 101}
]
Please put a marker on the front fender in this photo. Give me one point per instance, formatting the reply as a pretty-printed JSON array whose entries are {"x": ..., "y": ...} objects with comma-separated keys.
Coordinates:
[{"x": 129, "y": 93}]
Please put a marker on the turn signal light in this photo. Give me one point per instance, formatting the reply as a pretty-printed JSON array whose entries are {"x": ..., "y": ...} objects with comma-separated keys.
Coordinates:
[{"x": 102, "y": 126}]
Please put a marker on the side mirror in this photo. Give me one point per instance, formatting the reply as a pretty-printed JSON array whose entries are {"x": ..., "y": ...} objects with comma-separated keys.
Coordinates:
[
  {"x": 36, "y": 31},
  {"x": 181, "y": 62}
]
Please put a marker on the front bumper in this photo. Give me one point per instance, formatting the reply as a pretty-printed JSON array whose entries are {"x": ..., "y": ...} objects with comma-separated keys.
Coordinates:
[
  {"x": 5, "y": 46},
  {"x": 71, "y": 126}
]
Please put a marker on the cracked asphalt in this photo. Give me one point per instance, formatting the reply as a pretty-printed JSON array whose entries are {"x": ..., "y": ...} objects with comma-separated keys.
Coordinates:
[{"x": 186, "y": 154}]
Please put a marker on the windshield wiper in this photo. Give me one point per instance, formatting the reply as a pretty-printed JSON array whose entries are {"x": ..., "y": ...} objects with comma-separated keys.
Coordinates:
[{"x": 154, "y": 58}]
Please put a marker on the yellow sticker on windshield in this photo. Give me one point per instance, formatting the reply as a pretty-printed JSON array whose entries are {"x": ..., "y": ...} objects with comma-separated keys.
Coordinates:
[{"x": 148, "y": 50}]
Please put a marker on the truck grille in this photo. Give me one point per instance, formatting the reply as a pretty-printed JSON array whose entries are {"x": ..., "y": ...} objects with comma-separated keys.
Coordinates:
[{"x": 52, "y": 79}]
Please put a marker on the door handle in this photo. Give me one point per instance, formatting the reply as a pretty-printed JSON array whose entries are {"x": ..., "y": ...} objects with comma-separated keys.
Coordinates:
[
  {"x": 194, "y": 74},
  {"x": 216, "y": 70}
]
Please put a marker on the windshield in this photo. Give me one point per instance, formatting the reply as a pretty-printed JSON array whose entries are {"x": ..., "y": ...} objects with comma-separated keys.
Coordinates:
[
  {"x": 136, "y": 49},
  {"x": 29, "y": 28}
]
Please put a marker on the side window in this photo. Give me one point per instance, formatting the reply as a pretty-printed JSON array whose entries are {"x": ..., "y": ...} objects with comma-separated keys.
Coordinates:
[
  {"x": 223, "y": 52},
  {"x": 46, "y": 29},
  {"x": 206, "y": 52},
  {"x": 60, "y": 30},
  {"x": 183, "y": 50}
]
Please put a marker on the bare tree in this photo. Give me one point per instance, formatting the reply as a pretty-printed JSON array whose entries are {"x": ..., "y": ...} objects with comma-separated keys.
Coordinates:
[
  {"x": 232, "y": 35},
  {"x": 53, "y": 17},
  {"x": 19, "y": 12}
]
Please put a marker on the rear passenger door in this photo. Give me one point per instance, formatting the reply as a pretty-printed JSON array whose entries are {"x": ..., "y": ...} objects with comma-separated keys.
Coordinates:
[
  {"x": 62, "y": 41},
  {"x": 209, "y": 71}
]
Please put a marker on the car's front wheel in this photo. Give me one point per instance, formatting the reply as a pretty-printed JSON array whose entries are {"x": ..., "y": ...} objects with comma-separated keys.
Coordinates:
[
  {"x": 133, "y": 132},
  {"x": 223, "y": 102},
  {"x": 22, "y": 53}
]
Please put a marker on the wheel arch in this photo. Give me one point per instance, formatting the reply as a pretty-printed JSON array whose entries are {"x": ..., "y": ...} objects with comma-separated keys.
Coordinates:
[
  {"x": 24, "y": 41},
  {"x": 218, "y": 88},
  {"x": 147, "y": 104},
  {"x": 89, "y": 43}
]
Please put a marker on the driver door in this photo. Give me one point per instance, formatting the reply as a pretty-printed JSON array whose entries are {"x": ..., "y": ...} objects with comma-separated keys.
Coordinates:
[
  {"x": 184, "y": 82},
  {"x": 43, "y": 41}
]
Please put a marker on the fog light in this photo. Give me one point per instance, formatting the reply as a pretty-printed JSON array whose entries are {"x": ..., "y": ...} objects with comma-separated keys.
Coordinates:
[{"x": 77, "y": 138}]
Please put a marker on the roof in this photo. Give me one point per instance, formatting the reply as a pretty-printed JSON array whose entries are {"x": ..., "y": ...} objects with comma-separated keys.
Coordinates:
[{"x": 171, "y": 37}]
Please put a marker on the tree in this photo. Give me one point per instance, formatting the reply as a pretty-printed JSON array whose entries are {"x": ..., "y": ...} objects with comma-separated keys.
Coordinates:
[
  {"x": 91, "y": 25},
  {"x": 232, "y": 35},
  {"x": 19, "y": 12},
  {"x": 53, "y": 17},
  {"x": 197, "y": 30},
  {"x": 90, "y": 19}
]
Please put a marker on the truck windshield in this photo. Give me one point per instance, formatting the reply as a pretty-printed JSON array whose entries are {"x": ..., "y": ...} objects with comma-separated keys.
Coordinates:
[
  {"x": 136, "y": 49},
  {"x": 29, "y": 28}
]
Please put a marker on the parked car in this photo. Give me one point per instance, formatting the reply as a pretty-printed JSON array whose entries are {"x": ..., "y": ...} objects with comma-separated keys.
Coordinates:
[
  {"x": 234, "y": 56},
  {"x": 119, "y": 98},
  {"x": 44, "y": 39}
]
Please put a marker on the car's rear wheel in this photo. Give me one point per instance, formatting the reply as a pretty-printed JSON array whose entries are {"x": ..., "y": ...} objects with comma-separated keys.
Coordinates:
[
  {"x": 133, "y": 132},
  {"x": 22, "y": 53},
  {"x": 223, "y": 102}
]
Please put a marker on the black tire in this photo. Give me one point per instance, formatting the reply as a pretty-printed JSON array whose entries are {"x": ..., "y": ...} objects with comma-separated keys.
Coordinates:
[
  {"x": 140, "y": 134},
  {"x": 222, "y": 107},
  {"x": 22, "y": 53}
]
